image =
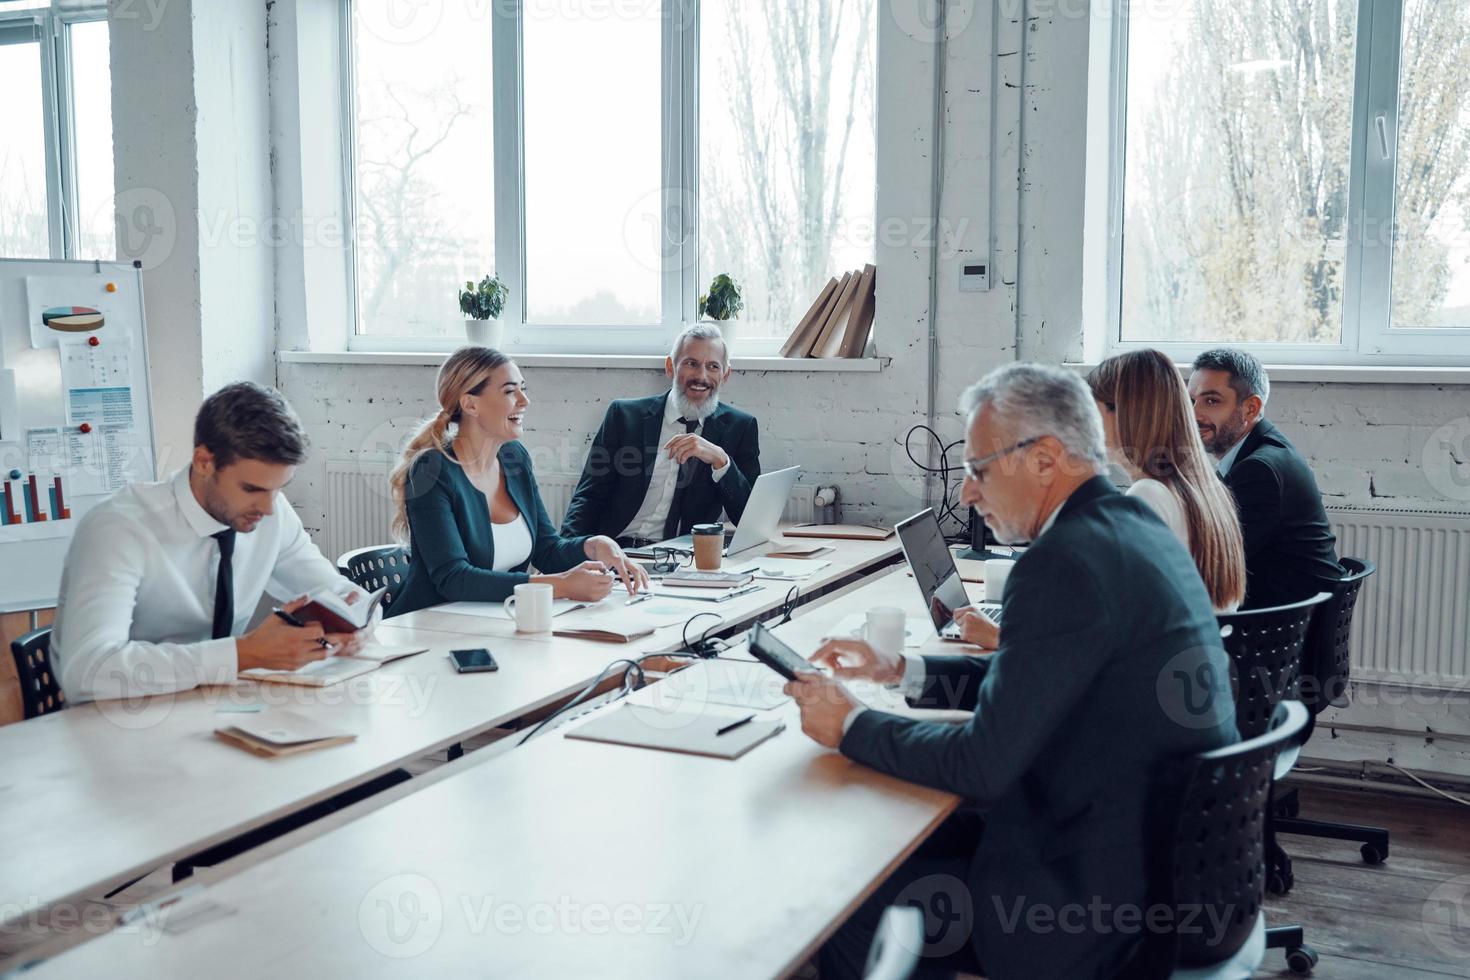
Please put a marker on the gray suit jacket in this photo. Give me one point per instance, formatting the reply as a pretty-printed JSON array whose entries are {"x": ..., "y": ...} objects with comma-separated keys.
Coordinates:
[{"x": 1110, "y": 665}]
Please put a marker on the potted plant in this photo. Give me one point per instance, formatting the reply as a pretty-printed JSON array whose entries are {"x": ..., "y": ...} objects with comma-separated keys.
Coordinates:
[
  {"x": 722, "y": 304},
  {"x": 481, "y": 304}
]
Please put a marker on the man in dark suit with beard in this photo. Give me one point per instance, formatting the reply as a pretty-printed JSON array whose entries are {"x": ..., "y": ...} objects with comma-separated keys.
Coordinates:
[
  {"x": 661, "y": 464},
  {"x": 1290, "y": 551}
]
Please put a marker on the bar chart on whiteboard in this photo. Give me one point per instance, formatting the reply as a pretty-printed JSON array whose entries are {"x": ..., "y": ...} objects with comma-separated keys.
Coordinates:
[{"x": 75, "y": 411}]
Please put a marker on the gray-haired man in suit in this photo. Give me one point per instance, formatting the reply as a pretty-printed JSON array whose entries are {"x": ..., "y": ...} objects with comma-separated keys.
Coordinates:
[{"x": 1109, "y": 666}]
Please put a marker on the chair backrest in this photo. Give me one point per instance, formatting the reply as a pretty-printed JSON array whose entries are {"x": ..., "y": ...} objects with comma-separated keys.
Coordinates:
[
  {"x": 40, "y": 689},
  {"x": 376, "y": 567},
  {"x": 1211, "y": 810},
  {"x": 1265, "y": 650},
  {"x": 1327, "y": 656},
  {"x": 897, "y": 945}
]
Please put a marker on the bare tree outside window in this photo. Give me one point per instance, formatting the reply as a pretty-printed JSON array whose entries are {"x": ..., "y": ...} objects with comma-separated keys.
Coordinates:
[
  {"x": 1239, "y": 141},
  {"x": 425, "y": 173},
  {"x": 786, "y": 147}
]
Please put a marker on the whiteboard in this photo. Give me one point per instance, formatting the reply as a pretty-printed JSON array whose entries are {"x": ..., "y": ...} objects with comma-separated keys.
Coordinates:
[{"x": 76, "y": 419}]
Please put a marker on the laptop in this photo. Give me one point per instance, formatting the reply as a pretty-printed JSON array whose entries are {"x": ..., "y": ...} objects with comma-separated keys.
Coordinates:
[
  {"x": 935, "y": 573},
  {"x": 761, "y": 520}
]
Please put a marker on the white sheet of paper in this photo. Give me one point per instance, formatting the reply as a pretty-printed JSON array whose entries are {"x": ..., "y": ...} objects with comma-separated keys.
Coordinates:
[
  {"x": 495, "y": 610},
  {"x": 783, "y": 568}
]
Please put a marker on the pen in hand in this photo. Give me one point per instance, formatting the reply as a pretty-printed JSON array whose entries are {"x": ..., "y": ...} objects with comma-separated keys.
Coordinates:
[{"x": 321, "y": 640}]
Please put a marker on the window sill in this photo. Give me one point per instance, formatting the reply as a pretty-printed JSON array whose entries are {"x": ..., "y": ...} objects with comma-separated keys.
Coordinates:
[
  {"x": 862, "y": 365},
  {"x": 1347, "y": 374}
]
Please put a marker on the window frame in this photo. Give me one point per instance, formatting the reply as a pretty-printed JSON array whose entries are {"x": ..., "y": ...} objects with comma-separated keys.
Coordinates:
[
  {"x": 1367, "y": 337},
  {"x": 679, "y": 161},
  {"x": 50, "y": 29}
]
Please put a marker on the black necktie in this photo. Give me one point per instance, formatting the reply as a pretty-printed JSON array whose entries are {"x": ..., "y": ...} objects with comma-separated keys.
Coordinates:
[
  {"x": 686, "y": 473},
  {"x": 224, "y": 585}
]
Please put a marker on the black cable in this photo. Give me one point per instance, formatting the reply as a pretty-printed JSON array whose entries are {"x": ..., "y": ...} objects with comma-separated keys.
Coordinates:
[
  {"x": 633, "y": 665},
  {"x": 788, "y": 604},
  {"x": 698, "y": 650},
  {"x": 948, "y": 509}
]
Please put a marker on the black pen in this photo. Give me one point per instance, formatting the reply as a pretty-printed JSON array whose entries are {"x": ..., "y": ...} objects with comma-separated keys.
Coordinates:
[
  {"x": 735, "y": 724},
  {"x": 321, "y": 640}
]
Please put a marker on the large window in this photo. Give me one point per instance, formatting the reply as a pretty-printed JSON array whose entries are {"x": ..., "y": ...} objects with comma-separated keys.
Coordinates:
[
  {"x": 56, "y": 184},
  {"x": 1295, "y": 175},
  {"x": 606, "y": 161}
]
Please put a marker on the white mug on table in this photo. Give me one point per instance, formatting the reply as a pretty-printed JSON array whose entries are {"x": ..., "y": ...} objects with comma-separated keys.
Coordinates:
[
  {"x": 530, "y": 607},
  {"x": 997, "y": 570},
  {"x": 885, "y": 629}
]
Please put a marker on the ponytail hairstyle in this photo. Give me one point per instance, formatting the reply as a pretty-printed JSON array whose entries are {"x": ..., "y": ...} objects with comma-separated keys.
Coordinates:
[
  {"x": 466, "y": 372},
  {"x": 1158, "y": 437}
]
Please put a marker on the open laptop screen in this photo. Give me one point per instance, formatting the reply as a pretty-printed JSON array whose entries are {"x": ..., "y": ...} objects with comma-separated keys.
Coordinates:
[{"x": 933, "y": 566}]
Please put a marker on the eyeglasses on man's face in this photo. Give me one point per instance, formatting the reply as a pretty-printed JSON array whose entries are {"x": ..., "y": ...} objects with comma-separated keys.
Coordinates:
[{"x": 975, "y": 468}]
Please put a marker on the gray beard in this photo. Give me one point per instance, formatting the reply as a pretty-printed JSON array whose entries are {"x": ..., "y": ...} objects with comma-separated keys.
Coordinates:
[{"x": 690, "y": 410}]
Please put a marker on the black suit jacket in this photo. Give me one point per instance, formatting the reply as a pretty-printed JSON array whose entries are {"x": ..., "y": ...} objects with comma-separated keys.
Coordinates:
[
  {"x": 1110, "y": 669},
  {"x": 620, "y": 465},
  {"x": 1290, "y": 551}
]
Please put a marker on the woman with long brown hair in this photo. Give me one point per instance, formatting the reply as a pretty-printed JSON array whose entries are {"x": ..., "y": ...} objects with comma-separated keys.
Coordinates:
[
  {"x": 1152, "y": 436},
  {"x": 467, "y": 502}
]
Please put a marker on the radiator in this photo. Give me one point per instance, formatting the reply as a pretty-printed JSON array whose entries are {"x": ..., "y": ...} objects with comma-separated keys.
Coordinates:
[
  {"x": 1412, "y": 622},
  {"x": 359, "y": 507}
]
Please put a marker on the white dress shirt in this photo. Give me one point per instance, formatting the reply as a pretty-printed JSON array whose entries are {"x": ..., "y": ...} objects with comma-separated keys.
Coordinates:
[
  {"x": 136, "y": 611},
  {"x": 650, "y": 519},
  {"x": 911, "y": 685},
  {"x": 1228, "y": 460}
]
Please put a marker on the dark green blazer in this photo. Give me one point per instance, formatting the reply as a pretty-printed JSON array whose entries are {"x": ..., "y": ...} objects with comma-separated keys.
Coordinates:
[
  {"x": 1110, "y": 667},
  {"x": 450, "y": 539}
]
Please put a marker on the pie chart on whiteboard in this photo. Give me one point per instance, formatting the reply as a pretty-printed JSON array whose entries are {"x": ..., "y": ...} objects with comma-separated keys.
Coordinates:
[{"x": 71, "y": 319}]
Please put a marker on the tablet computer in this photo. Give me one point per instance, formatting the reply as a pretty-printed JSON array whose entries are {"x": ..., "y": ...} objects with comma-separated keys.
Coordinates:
[{"x": 778, "y": 656}]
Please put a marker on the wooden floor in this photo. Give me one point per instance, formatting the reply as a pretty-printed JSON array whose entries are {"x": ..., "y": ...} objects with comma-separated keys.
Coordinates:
[{"x": 1379, "y": 922}]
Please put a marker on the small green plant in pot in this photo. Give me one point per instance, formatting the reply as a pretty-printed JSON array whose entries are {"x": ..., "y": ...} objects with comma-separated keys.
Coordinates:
[
  {"x": 481, "y": 304},
  {"x": 722, "y": 304}
]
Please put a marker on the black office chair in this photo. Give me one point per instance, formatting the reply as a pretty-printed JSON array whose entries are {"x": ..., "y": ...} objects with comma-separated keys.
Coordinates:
[
  {"x": 1265, "y": 649},
  {"x": 897, "y": 945},
  {"x": 380, "y": 566},
  {"x": 40, "y": 689},
  {"x": 1326, "y": 666},
  {"x": 1210, "y": 810}
]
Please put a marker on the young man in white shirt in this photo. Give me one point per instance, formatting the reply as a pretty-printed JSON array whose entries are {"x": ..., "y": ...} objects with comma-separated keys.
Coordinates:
[{"x": 162, "y": 579}]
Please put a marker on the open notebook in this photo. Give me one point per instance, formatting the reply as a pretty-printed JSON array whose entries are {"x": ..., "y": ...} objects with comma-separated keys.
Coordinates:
[{"x": 334, "y": 670}]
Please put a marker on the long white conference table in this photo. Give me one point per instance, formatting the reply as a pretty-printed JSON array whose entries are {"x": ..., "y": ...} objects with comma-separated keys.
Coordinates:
[
  {"x": 569, "y": 858},
  {"x": 100, "y": 793}
]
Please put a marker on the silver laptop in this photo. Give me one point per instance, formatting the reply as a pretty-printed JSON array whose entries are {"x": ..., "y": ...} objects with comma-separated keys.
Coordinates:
[
  {"x": 935, "y": 573},
  {"x": 761, "y": 521}
]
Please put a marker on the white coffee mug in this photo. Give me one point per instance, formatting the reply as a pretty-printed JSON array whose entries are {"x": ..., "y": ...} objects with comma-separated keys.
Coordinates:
[
  {"x": 530, "y": 607},
  {"x": 885, "y": 628},
  {"x": 997, "y": 570}
]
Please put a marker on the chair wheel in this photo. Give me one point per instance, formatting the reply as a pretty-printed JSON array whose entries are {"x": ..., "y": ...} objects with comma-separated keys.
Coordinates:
[
  {"x": 1301, "y": 960},
  {"x": 1279, "y": 883},
  {"x": 1371, "y": 854}
]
